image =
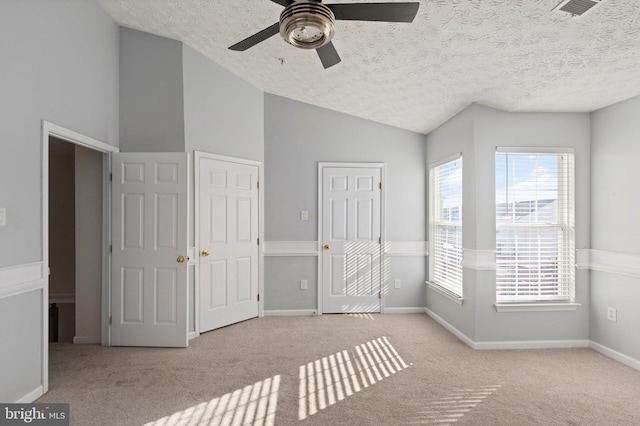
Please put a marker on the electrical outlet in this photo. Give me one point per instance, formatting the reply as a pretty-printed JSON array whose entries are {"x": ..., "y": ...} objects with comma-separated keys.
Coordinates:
[
  {"x": 612, "y": 314},
  {"x": 3, "y": 216},
  {"x": 304, "y": 215},
  {"x": 396, "y": 283},
  {"x": 303, "y": 284}
]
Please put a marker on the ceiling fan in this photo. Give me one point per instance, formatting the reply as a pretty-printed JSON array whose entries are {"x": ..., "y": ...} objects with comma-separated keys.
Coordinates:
[{"x": 310, "y": 24}]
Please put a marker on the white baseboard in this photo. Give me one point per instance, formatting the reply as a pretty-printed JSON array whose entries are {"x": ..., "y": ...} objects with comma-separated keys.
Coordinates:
[
  {"x": 417, "y": 310},
  {"x": 526, "y": 344},
  {"x": 615, "y": 355},
  {"x": 192, "y": 335},
  {"x": 459, "y": 334},
  {"x": 291, "y": 313},
  {"x": 87, "y": 340},
  {"x": 31, "y": 396},
  {"x": 532, "y": 344}
]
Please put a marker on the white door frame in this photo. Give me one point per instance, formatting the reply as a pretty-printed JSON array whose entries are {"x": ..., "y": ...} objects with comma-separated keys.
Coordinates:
[
  {"x": 381, "y": 166},
  {"x": 196, "y": 167},
  {"x": 59, "y": 132}
]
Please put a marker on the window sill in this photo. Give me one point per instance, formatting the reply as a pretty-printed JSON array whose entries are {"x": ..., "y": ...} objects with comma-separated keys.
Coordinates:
[
  {"x": 536, "y": 307},
  {"x": 457, "y": 299}
]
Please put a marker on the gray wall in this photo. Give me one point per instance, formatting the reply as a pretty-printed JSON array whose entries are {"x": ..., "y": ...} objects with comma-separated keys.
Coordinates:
[
  {"x": 21, "y": 354},
  {"x": 453, "y": 137},
  {"x": 282, "y": 283},
  {"x": 498, "y": 128},
  {"x": 297, "y": 137},
  {"x": 59, "y": 64},
  {"x": 151, "y": 95},
  {"x": 174, "y": 99},
  {"x": 223, "y": 114},
  {"x": 614, "y": 224},
  {"x": 492, "y": 128}
]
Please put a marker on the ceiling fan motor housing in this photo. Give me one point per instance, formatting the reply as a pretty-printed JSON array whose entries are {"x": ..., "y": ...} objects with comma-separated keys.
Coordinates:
[{"x": 307, "y": 24}]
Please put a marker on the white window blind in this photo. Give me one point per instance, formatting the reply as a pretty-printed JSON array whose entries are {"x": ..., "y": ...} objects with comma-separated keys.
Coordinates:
[
  {"x": 446, "y": 226},
  {"x": 535, "y": 227}
]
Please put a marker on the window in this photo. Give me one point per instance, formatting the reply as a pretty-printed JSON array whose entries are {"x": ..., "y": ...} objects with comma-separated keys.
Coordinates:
[
  {"x": 446, "y": 226},
  {"x": 535, "y": 230}
]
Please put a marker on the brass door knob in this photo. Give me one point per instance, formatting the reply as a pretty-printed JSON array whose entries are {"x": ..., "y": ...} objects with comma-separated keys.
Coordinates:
[
  {"x": 326, "y": 247},
  {"x": 205, "y": 253},
  {"x": 180, "y": 259}
]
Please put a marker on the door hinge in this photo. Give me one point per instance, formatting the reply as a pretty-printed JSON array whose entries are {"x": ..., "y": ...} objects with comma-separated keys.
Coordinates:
[
  {"x": 379, "y": 295},
  {"x": 110, "y": 248},
  {"x": 380, "y": 185},
  {"x": 258, "y": 184},
  {"x": 258, "y": 241},
  {"x": 379, "y": 240},
  {"x": 258, "y": 297},
  {"x": 110, "y": 320},
  {"x": 110, "y": 177}
]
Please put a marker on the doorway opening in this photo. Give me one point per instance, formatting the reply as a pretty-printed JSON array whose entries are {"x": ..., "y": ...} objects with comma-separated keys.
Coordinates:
[
  {"x": 75, "y": 243},
  {"x": 75, "y": 238}
]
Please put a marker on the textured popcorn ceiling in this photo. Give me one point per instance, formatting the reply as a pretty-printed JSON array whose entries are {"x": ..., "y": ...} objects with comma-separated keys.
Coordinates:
[{"x": 515, "y": 55}]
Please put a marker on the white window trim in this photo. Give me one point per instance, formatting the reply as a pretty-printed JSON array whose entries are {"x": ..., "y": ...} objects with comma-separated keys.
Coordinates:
[
  {"x": 535, "y": 150},
  {"x": 542, "y": 305},
  {"x": 444, "y": 292},
  {"x": 445, "y": 160},
  {"x": 432, "y": 225},
  {"x": 536, "y": 307}
]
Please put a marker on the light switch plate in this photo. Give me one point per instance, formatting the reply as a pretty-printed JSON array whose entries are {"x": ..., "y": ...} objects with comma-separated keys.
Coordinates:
[{"x": 3, "y": 216}]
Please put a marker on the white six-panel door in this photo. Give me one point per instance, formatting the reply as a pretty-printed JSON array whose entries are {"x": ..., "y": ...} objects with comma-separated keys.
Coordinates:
[
  {"x": 149, "y": 260},
  {"x": 228, "y": 242},
  {"x": 351, "y": 239}
]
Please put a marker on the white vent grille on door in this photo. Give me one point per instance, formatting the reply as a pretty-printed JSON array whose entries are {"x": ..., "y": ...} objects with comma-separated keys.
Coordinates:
[{"x": 576, "y": 7}]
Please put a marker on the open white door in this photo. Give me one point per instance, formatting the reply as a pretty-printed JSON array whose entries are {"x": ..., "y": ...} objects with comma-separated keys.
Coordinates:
[
  {"x": 149, "y": 260},
  {"x": 228, "y": 242},
  {"x": 351, "y": 232}
]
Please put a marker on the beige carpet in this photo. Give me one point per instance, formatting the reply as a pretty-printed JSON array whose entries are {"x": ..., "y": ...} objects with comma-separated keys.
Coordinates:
[{"x": 340, "y": 370}]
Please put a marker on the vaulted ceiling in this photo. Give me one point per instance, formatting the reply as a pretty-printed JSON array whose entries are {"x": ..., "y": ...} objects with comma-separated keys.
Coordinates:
[{"x": 516, "y": 55}]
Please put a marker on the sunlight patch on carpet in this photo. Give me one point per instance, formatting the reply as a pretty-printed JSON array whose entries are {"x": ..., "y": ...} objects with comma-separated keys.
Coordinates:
[
  {"x": 252, "y": 405},
  {"x": 452, "y": 407},
  {"x": 363, "y": 315},
  {"x": 333, "y": 378}
]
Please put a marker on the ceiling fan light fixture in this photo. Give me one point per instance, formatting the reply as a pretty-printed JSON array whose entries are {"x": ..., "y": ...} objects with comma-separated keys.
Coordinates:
[{"x": 307, "y": 24}]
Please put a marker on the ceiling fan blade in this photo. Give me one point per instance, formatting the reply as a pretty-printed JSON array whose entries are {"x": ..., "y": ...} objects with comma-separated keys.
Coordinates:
[
  {"x": 387, "y": 12},
  {"x": 328, "y": 55},
  {"x": 284, "y": 3},
  {"x": 257, "y": 38}
]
